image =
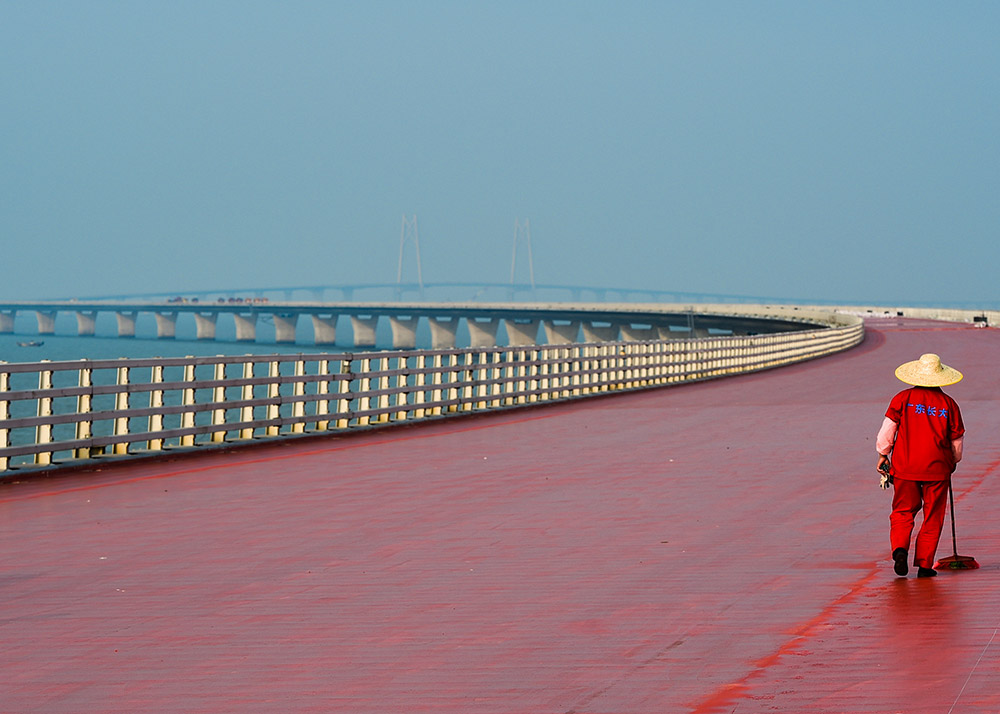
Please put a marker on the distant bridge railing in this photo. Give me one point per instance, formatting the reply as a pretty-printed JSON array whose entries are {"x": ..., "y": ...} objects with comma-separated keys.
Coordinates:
[{"x": 63, "y": 413}]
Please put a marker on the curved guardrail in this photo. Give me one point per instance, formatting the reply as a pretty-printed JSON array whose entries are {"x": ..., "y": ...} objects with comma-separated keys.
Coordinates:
[{"x": 61, "y": 413}]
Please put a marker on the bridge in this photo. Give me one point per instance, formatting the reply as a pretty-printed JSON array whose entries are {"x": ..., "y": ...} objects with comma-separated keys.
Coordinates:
[
  {"x": 560, "y": 323},
  {"x": 450, "y": 291},
  {"x": 717, "y": 546}
]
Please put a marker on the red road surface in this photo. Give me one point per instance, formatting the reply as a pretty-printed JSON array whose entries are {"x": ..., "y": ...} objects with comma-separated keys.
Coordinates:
[{"x": 716, "y": 547}]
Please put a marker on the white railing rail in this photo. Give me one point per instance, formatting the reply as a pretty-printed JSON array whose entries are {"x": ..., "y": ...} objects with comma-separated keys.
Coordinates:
[{"x": 59, "y": 413}]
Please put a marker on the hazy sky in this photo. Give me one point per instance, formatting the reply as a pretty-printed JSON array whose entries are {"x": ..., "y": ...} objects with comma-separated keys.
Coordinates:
[{"x": 840, "y": 150}]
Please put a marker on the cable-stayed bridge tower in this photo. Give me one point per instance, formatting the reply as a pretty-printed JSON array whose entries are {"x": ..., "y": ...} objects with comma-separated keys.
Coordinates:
[
  {"x": 522, "y": 235},
  {"x": 408, "y": 233}
]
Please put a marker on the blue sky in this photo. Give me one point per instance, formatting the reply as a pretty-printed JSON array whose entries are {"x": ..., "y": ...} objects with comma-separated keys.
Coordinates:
[{"x": 828, "y": 151}]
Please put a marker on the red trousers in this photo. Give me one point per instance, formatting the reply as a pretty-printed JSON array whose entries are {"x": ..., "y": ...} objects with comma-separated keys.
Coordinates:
[{"x": 908, "y": 498}]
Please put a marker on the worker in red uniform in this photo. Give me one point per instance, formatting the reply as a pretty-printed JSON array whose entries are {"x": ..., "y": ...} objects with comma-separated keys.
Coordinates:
[{"x": 918, "y": 446}]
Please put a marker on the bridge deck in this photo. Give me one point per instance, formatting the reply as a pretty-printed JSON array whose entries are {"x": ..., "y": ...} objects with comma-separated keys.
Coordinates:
[{"x": 717, "y": 547}]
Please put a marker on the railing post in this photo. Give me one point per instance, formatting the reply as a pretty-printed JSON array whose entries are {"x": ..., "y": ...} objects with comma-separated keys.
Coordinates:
[
  {"x": 84, "y": 427},
  {"x": 364, "y": 389},
  {"x": 299, "y": 391},
  {"x": 43, "y": 432},
  {"x": 383, "y": 384},
  {"x": 4, "y": 416},
  {"x": 187, "y": 400},
  {"x": 482, "y": 375},
  {"x": 246, "y": 412},
  {"x": 121, "y": 404},
  {"x": 468, "y": 380},
  {"x": 420, "y": 395},
  {"x": 436, "y": 381},
  {"x": 273, "y": 398},
  {"x": 402, "y": 382},
  {"x": 454, "y": 378},
  {"x": 219, "y": 397},
  {"x": 344, "y": 403},
  {"x": 155, "y": 402},
  {"x": 496, "y": 374},
  {"x": 322, "y": 390}
]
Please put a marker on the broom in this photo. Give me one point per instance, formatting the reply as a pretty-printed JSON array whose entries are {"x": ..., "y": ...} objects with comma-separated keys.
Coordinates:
[{"x": 955, "y": 561}]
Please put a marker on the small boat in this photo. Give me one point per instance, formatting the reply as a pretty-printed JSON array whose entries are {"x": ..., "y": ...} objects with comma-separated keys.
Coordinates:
[{"x": 31, "y": 343}]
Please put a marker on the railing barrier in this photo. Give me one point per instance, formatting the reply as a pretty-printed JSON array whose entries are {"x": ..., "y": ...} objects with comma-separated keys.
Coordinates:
[{"x": 61, "y": 413}]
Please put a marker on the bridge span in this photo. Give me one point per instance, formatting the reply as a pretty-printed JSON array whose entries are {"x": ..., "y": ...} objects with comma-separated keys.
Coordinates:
[
  {"x": 719, "y": 546},
  {"x": 522, "y": 323}
]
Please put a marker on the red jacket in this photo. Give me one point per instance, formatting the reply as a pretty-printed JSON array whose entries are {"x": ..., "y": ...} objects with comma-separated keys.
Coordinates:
[{"x": 929, "y": 420}]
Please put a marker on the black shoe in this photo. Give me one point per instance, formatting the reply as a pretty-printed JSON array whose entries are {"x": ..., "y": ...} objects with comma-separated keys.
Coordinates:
[
  {"x": 899, "y": 558},
  {"x": 926, "y": 572}
]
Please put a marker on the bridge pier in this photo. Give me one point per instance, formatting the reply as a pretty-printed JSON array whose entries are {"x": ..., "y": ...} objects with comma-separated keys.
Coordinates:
[
  {"x": 246, "y": 327},
  {"x": 443, "y": 332},
  {"x": 483, "y": 331},
  {"x": 86, "y": 323},
  {"x": 205, "y": 325},
  {"x": 166, "y": 325},
  {"x": 126, "y": 323},
  {"x": 404, "y": 332},
  {"x": 364, "y": 329},
  {"x": 284, "y": 328},
  {"x": 46, "y": 322},
  {"x": 592, "y": 332},
  {"x": 7, "y": 321},
  {"x": 324, "y": 329},
  {"x": 521, "y": 333},
  {"x": 561, "y": 332}
]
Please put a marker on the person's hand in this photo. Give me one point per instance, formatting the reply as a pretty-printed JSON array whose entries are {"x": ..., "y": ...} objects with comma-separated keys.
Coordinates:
[{"x": 883, "y": 469}]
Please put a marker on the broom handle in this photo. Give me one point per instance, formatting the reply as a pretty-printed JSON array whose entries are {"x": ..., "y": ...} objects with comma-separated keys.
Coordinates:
[{"x": 954, "y": 540}]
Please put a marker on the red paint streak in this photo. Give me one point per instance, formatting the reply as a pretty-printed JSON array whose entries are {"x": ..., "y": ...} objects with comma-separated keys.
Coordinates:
[{"x": 721, "y": 700}]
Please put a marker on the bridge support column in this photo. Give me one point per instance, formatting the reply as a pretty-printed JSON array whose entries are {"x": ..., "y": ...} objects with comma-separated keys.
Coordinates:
[
  {"x": 166, "y": 325},
  {"x": 46, "y": 322},
  {"x": 521, "y": 332},
  {"x": 483, "y": 331},
  {"x": 592, "y": 332},
  {"x": 126, "y": 323},
  {"x": 364, "y": 329},
  {"x": 246, "y": 327},
  {"x": 443, "y": 332},
  {"x": 638, "y": 333},
  {"x": 404, "y": 332},
  {"x": 7, "y": 321},
  {"x": 284, "y": 327},
  {"x": 86, "y": 322},
  {"x": 561, "y": 333},
  {"x": 205, "y": 325},
  {"x": 324, "y": 329}
]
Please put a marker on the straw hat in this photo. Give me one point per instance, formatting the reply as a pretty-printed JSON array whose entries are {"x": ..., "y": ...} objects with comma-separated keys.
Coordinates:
[{"x": 927, "y": 372}]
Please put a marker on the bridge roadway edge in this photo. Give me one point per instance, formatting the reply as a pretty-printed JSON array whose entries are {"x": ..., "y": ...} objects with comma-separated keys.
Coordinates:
[
  {"x": 521, "y": 585},
  {"x": 111, "y": 462}
]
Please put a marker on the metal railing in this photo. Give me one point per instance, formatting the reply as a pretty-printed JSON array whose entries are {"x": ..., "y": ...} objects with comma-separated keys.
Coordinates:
[{"x": 54, "y": 413}]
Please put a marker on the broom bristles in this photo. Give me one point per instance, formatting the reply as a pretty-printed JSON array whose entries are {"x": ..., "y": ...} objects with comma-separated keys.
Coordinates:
[{"x": 957, "y": 562}]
